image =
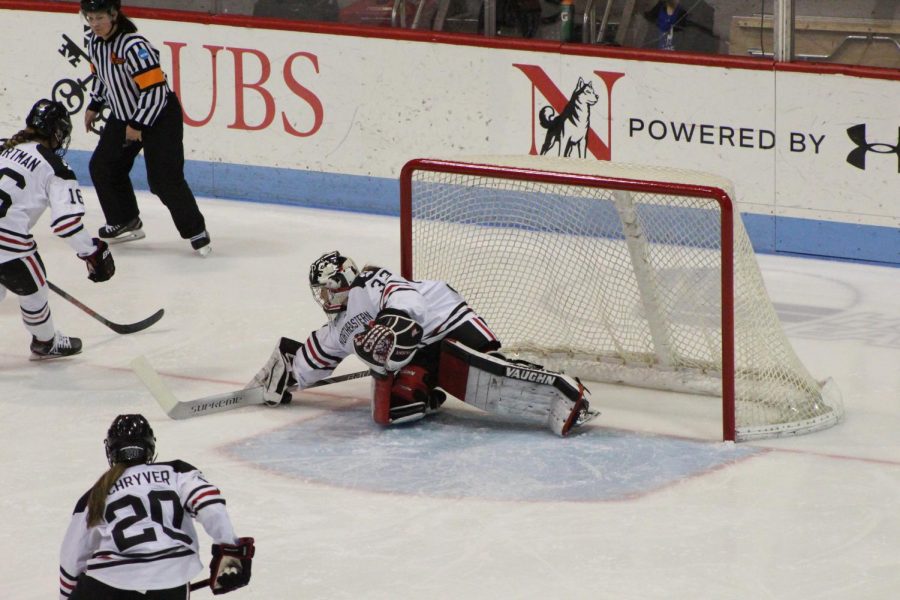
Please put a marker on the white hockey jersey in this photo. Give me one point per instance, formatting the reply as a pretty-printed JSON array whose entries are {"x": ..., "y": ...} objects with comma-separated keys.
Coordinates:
[
  {"x": 434, "y": 305},
  {"x": 146, "y": 539},
  {"x": 32, "y": 178}
]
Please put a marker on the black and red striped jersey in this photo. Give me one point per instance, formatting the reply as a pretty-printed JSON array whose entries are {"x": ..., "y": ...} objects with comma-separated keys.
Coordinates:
[
  {"x": 434, "y": 305},
  {"x": 33, "y": 178},
  {"x": 128, "y": 78},
  {"x": 146, "y": 539}
]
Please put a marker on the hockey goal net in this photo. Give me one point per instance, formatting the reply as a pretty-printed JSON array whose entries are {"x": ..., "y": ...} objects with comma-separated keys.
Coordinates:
[{"x": 614, "y": 273}]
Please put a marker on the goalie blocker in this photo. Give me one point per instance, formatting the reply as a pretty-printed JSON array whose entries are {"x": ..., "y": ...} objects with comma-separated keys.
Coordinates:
[{"x": 522, "y": 391}]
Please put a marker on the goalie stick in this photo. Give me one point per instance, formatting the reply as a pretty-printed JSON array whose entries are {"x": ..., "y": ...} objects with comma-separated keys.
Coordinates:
[
  {"x": 125, "y": 328},
  {"x": 176, "y": 409}
]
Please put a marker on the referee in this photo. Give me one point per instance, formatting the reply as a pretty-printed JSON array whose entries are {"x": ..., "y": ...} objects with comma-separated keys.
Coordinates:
[{"x": 144, "y": 114}]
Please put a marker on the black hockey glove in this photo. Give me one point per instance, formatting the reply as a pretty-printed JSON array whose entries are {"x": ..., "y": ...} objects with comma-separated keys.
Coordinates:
[
  {"x": 100, "y": 263},
  {"x": 229, "y": 568}
]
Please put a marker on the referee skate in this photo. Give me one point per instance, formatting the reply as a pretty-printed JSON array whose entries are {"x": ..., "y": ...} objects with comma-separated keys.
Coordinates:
[{"x": 126, "y": 232}]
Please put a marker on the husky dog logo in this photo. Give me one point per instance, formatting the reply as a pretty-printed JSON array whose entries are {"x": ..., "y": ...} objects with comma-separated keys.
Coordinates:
[{"x": 568, "y": 130}]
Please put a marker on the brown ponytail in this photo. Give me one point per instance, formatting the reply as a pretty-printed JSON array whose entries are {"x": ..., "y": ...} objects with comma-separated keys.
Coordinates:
[
  {"x": 97, "y": 497},
  {"x": 25, "y": 135}
]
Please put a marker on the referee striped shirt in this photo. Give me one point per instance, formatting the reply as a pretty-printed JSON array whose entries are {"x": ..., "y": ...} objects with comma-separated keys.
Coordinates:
[{"x": 128, "y": 77}]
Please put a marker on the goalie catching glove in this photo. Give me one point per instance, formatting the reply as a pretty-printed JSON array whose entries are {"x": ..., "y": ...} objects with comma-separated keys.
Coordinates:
[
  {"x": 229, "y": 568},
  {"x": 389, "y": 343},
  {"x": 276, "y": 377}
]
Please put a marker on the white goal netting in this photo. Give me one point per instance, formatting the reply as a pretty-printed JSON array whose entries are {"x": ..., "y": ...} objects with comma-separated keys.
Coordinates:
[{"x": 614, "y": 273}]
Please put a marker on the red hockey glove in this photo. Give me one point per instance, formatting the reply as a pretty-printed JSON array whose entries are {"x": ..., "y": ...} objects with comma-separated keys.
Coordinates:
[{"x": 100, "y": 263}]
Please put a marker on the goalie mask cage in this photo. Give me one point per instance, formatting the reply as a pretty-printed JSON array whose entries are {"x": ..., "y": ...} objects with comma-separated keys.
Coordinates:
[{"x": 614, "y": 273}]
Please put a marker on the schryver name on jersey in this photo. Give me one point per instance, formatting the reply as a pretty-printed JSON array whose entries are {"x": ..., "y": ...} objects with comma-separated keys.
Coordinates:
[
  {"x": 433, "y": 304},
  {"x": 32, "y": 178},
  {"x": 146, "y": 539}
]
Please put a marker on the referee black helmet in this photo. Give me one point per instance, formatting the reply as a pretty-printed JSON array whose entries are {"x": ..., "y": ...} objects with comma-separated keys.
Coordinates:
[{"x": 100, "y": 5}]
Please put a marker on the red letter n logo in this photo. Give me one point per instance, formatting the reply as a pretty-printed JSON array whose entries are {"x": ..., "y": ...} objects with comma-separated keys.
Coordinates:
[{"x": 567, "y": 119}]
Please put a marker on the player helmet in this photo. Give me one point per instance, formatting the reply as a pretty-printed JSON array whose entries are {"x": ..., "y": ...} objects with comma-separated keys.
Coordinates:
[
  {"x": 130, "y": 440},
  {"x": 330, "y": 277},
  {"x": 50, "y": 120},
  {"x": 100, "y": 5}
]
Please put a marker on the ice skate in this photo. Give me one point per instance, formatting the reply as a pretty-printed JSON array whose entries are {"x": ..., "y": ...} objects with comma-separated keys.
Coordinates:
[
  {"x": 128, "y": 232},
  {"x": 585, "y": 414},
  {"x": 200, "y": 243},
  {"x": 59, "y": 347}
]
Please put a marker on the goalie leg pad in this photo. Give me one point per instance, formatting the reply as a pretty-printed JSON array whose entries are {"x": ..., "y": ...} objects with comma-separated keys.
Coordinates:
[
  {"x": 381, "y": 398},
  {"x": 230, "y": 566},
  {"x": 401, "y": 397},
  {"x": 411, "y": 384},
  {"x": 521, "y": 391}
]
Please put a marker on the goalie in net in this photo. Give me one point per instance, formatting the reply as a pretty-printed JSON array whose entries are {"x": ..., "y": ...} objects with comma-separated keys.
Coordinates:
[{"x": 421, "y": 340}]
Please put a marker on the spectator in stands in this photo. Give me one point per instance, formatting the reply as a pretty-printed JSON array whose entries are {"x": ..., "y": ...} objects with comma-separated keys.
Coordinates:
[
  {"x": 669, "y": 17},
  {"x": 298, "y": 10}
]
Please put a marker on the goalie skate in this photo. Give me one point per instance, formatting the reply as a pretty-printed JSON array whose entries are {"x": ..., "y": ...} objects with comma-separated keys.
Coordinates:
[{"x": 586, "y": 414}]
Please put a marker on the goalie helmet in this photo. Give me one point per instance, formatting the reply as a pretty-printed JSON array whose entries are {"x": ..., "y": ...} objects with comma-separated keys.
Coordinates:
[
  {"x": 130, "y": 440},
  {"x": 100, "y": 5},
  {"x": 330, "y": 277},
  {"x": 50, "y": 120}
]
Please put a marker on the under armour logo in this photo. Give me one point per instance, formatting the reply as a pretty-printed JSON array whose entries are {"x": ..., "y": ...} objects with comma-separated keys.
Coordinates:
[{"x": 857, "y": 156}]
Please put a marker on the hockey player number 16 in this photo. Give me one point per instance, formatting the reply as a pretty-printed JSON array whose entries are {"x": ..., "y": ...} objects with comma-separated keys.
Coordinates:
[
  {"x": 137, "y": 513},
  {"x": 5, "y": 198}
]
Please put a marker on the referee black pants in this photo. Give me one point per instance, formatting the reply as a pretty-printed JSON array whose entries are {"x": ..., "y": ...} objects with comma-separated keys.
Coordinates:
[{"x": 163, "y": 148}]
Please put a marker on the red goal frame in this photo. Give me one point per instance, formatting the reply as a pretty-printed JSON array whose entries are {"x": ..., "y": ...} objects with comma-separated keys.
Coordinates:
[{"x": 726, "y": 222}]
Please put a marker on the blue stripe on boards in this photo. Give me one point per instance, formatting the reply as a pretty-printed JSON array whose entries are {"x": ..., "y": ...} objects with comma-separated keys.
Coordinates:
[
  {"x": 842, "y": 240},
  {"x": 381, "y": 196}
]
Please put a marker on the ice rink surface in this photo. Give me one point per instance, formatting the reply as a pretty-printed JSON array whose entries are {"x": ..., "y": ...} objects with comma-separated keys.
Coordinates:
[{"x": 643, "y": 503}]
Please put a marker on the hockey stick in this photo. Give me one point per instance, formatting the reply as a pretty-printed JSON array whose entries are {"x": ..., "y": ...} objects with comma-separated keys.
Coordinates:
[
  {"x": 176, "y": 409},
  {"x": 117, "y": 327}
]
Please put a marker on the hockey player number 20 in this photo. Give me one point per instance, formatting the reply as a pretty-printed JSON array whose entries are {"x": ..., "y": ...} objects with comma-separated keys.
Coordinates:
[{"x": 134, "y": 508}]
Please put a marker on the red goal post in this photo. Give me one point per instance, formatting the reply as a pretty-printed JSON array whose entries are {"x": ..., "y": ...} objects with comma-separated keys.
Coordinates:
[{"x": 614, "y": 273}]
